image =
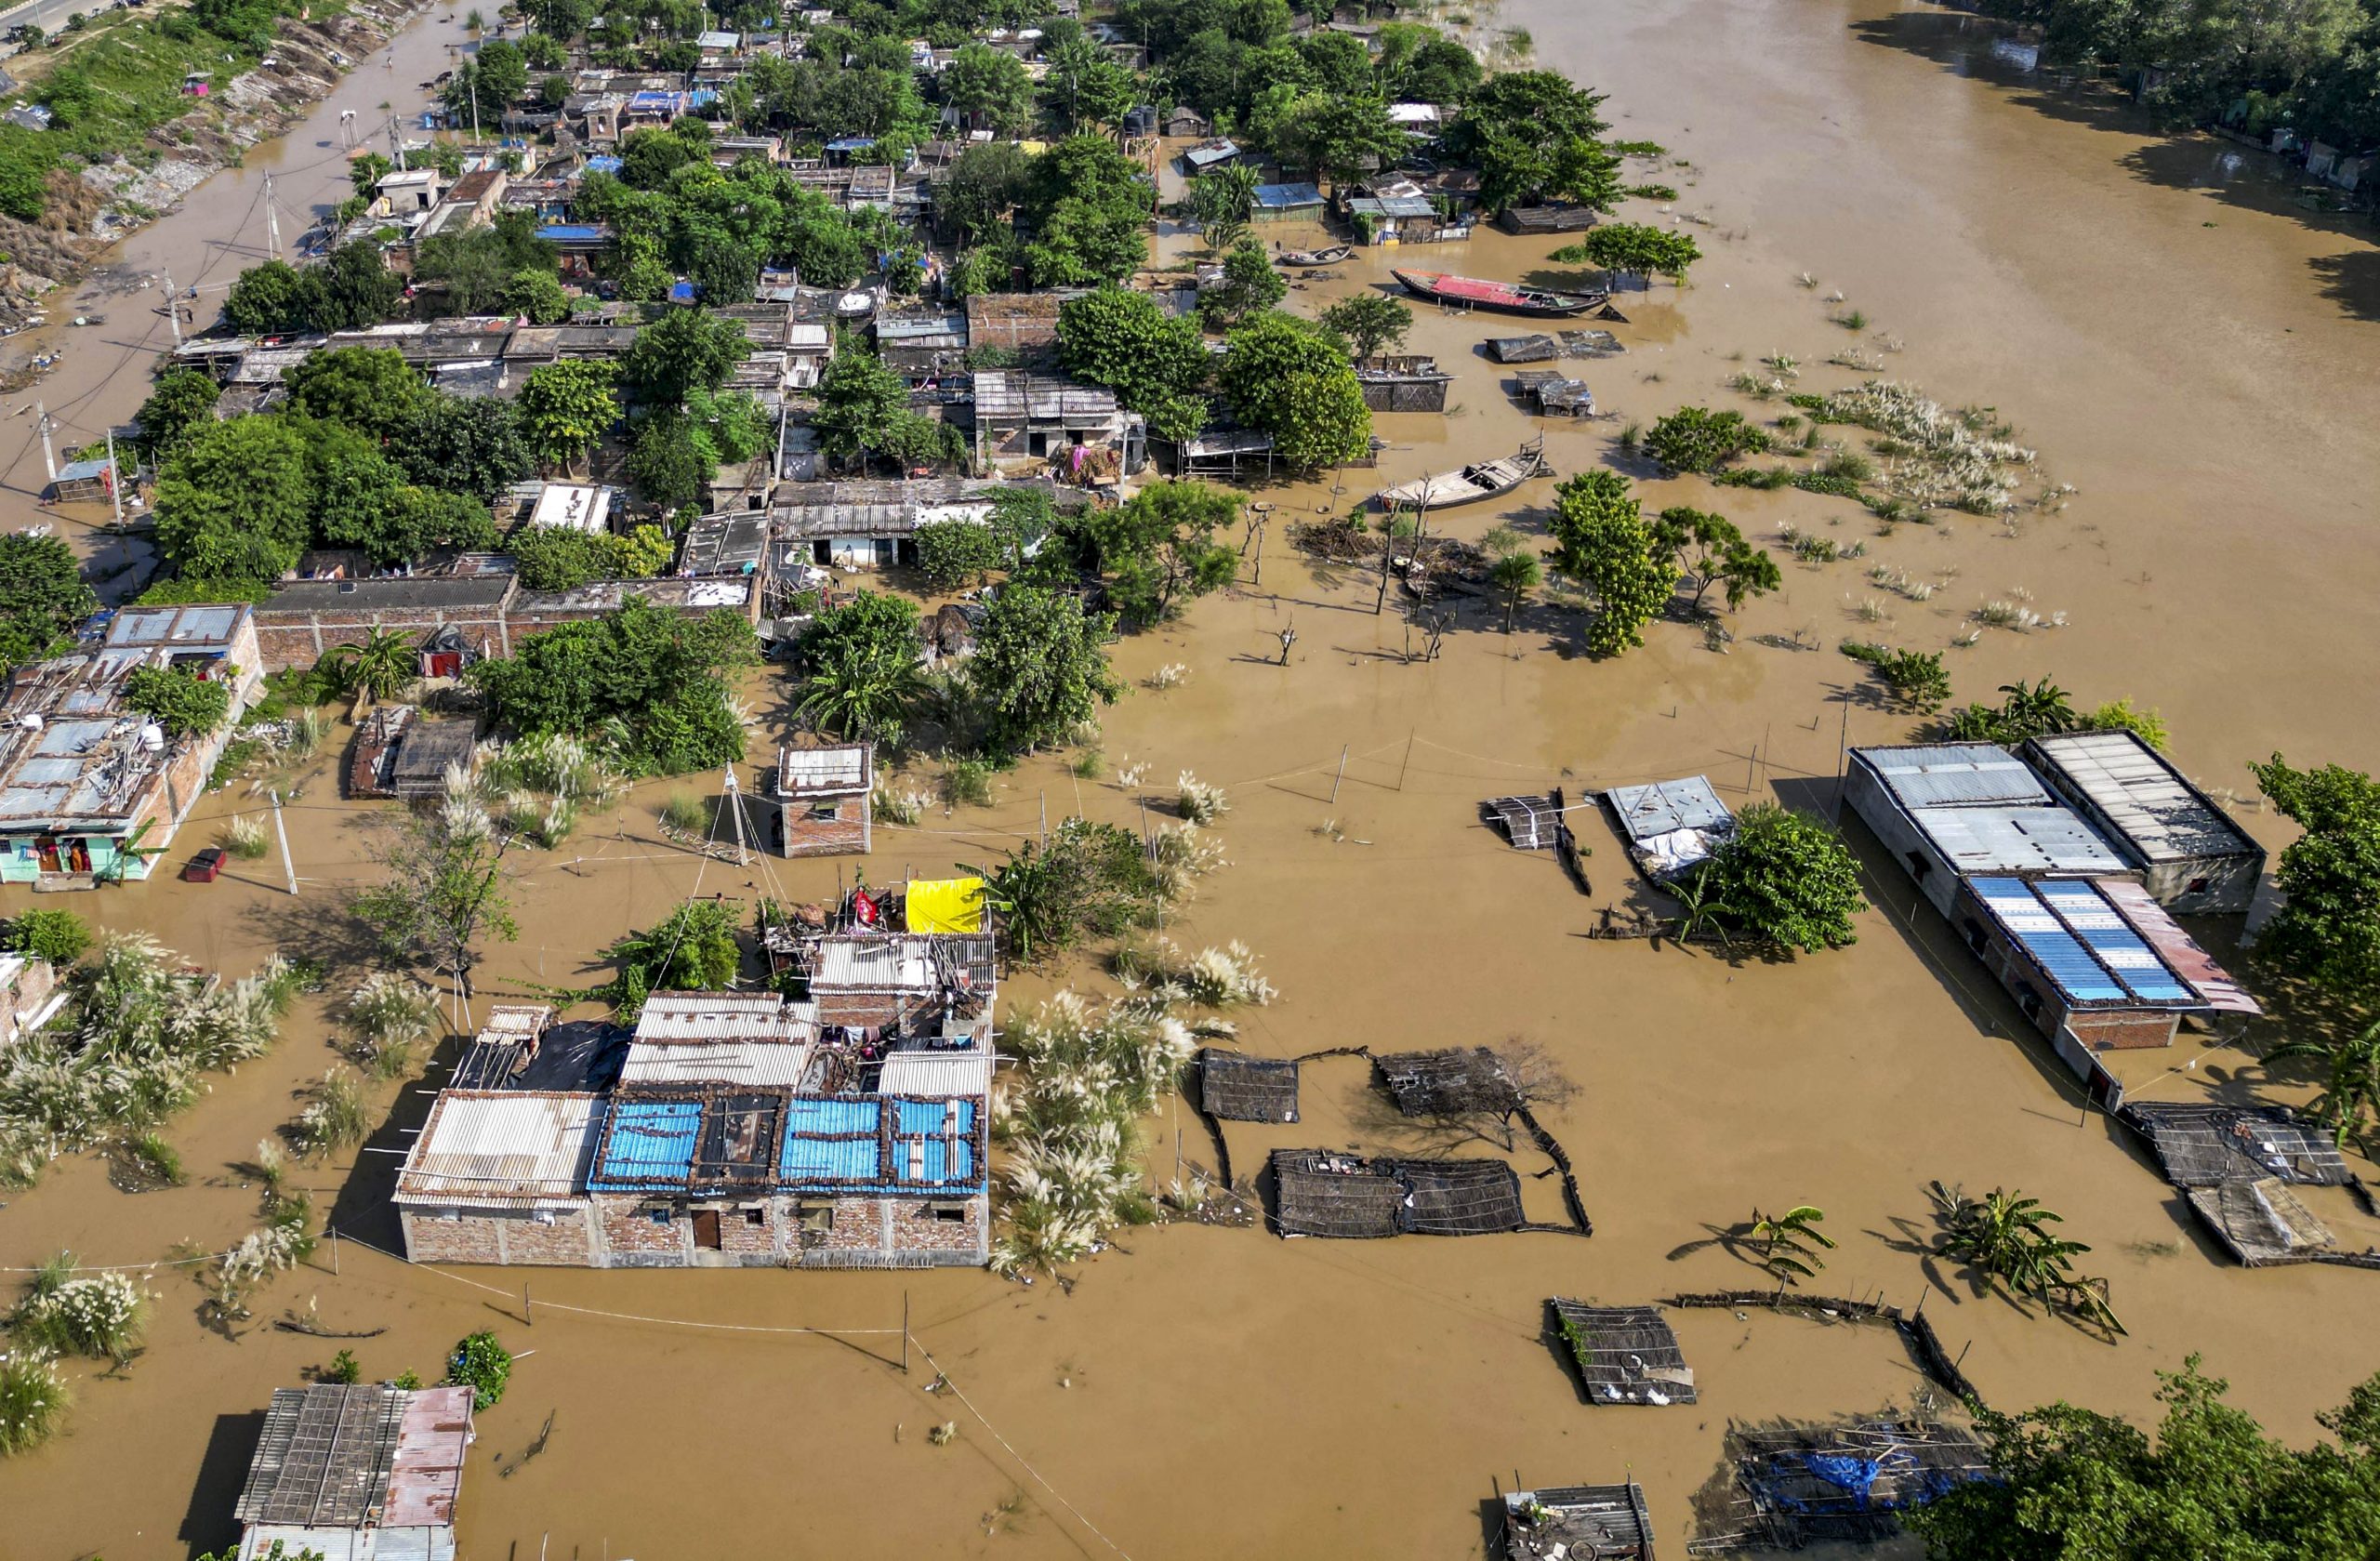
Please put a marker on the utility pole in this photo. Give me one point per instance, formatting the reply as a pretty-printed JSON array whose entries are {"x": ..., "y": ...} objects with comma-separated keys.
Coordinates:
[
  {"x": 271, "y": 217},
  {"x": 396, "y": 146},
  {"x": 474, "y": 68},
  {"x": 48, "y": 451},
  {"x": 287, "y": 867},
  {"x": 115, "y": 479},
  {"x": 173, "y": 309}
]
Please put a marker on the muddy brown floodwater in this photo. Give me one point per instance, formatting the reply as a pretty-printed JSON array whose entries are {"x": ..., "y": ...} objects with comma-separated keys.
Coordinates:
[{"x": 2187, "y": 349}]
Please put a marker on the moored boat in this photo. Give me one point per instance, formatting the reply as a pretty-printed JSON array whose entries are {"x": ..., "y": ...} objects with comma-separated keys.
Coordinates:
[
  {"x": 1330, "y": 256},
  {"x": 1481, "y": 480},
  {"x": 1471, "y": 292}
]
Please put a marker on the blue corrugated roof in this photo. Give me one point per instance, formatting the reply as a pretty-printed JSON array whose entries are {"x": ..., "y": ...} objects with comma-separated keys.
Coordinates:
[
  {"x": 831, "y": 1141},
  {"x": 2124, "y": 953},
  {"x": 650, "y": 1144},
  {"x": 1274, "y": 197},
  {"x": 2113, "y": 968},
  {"x": 850, "y": 143},
  {"x": 603, "y": 164},
  {"x": 562, "y": 232}
]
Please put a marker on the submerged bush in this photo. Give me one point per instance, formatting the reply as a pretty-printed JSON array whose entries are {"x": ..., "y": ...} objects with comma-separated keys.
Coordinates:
[
  {"x": 1197, "y": 801},
  {"x": 103, "y": 1316},
  {"x": 60, "y": 937},
  {"x": 32, "y": 1402},
  {"x": 483, "y": 1365},
  {"x": 337, "y": 1117},
  {"x": 386, "y": 1018}
]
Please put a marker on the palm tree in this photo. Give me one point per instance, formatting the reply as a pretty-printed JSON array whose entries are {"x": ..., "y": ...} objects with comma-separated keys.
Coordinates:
[
  {"x": 383, "y": 663},
  {"x": 863, "y": 691},
  {"x": 2352, "y": 1087},
  {"x": 1515, "y": 575},
  {"x": 1789, "y": 1242},
  {"x": 2036, "y": 709},
  {"x": 2005, "y": 1236}
]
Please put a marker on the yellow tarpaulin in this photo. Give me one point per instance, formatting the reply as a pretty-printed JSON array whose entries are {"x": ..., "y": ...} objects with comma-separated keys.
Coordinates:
[{"x": 946, "y": 905}]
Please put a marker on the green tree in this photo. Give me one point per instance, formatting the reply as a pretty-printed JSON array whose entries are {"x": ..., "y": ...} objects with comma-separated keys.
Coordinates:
[
  {"x": 1711, "y": 551},
  {"x": 539, "y": 295},
  {"x": 1368, "y": 324},
  {"x": 565, "y": 408},
  {"x": 957, "y": 552},
  {"x": 860, "y": 403},
  {"x": 42, "y": 596},
  {"x": 494, "y": 78},
  {"x": 1223, "y": 201},
  {"x": 1283, "y": 375},
  {"x": 1788, "y": 1243},
  {"x": 236, "y": 503},
  {"x": 1786, "y": 880},
  {"x": 1156, "y": 362},
  {"x": 464, "y": 444},
  {"x": 266, "y": 299},
  {"x": 381, "y": 665},
  {"x": 985, "y": 184},
  {"x": 1534, "y": 136},
  {"x": 863, "y": 687},
  {"x": 1603, "y": 542},
  {"x": 656, "y": 679},
  {"x": 990, "y": 87},
  {"x": 60, "y": 937},
  {"x": 2328, "y": 929},
  {"x": 2074, "y": 1485},
  {"x": 1249, "y": 283},
  {"x": 1158, "y": 551},
  {"x": 351, "y": 290},
  {"x": 1696, "y": 439},
  {"x": 1634, "y": 249},
  {"x": 1040, "y": 672},
  {"x": 1916, "y": 680},
  {"x": 2005, "y": 1238},
  {"x": 184, "y": 399},
  {"x": 667, "y": 463},
  {"x": 2036, "y": 709},
  {"x": 1083, "y": 243},
  {"x": 184, "y": 704},
  {"x": 684, "y": 350},
  {"x": 693, "y": 949},
  {"x": 369, "y": 389},
  {"x": 365, "y": 171},
  {"x": 1516, "y": 573}
]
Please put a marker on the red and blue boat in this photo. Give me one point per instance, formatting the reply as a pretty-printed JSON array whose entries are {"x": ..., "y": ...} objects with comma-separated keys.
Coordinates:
[{"x": 1470, "y": 292}]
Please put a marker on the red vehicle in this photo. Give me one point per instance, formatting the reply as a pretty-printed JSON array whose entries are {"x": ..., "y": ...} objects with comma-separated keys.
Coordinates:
[{"x": 203, "y": 867}]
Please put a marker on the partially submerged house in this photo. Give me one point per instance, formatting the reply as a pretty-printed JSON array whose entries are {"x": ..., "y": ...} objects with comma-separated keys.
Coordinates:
[
  {"x": 1670, "y": 825},
  {"x": 1287, "y": 203},
  {"x": 91, "y": 789},
  {"x": 2073, "y": 961},
  {"x": 1319, "y": 1192},
  {"x": 1954, "y": 811},
  {"x": 1624, "y": 1355},
  {"x": 1578, "y": 1523},
  {"x": 2192, "y": 858},
  {"x": 1235, "y": 1087},
  {"x": 2235, "y": 1167},
  {"x": 818, "y": 801},
  {"x": 399, "y": 752},
  {"x": 1792, "y": 1485},
  {"x": 356, "y": 1472},
  {"x": 741, "y": 1129},
  {"x": 1452, "y": 1082},
  {"x": 1406, "y": 383},
  {"x": 1078, "y": 432}
]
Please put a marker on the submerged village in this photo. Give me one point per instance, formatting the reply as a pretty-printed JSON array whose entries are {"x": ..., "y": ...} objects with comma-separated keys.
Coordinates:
[{"x": 1193, "y": 777}]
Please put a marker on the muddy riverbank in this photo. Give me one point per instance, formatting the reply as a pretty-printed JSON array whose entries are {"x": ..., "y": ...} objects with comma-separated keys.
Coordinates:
[{"x": 1220, "y": 1392}]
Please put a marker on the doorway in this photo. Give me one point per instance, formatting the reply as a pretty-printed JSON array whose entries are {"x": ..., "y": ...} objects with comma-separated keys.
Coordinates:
[{"x": 706, "y": 1230}]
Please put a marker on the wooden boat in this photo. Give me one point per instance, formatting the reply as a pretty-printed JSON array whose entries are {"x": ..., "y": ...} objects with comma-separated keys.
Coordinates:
[
  {"x": 1325, "y": 257},
  {"x": 1470, "y": 292},
  {"x": 1482, "y": 479}
]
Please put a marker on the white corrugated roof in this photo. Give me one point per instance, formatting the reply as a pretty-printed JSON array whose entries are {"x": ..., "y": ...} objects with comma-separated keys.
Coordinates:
[
  {"x": 1955, "y": 774},
  {"x": 678, "y": 1018},
  {"x": 2145, "y": 798},
  {"x": 875, "y": 962},
  {"x": 843, "y": 768},
  {"x": 762, "y": 1063},
  {"x": 923, "y": 1072},
  {"x": 2002, "y": 840},
  {"x": 502, "y": 1147}
]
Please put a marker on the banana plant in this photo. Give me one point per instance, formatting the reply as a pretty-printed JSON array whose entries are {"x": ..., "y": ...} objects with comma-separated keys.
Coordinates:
[{"x": 1788, "y": 1243}]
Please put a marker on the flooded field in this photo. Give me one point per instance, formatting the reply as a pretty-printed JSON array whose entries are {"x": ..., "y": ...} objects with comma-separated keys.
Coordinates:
[{"x": 2187, "y": 349}]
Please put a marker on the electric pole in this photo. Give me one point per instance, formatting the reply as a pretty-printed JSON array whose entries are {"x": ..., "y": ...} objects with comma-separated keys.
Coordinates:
[
  {"x": 48, "y": 452},
  {"x": 271, "y": 217},
  {"x": 734, "y": 803},
  {"x": 115, "y": 479},
  {"x": 287, "y": 867},
  {"x": 173, "y": 310}
]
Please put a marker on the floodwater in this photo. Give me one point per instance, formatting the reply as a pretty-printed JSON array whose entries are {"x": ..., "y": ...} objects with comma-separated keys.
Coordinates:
[{"x": 2186, "y": 348}]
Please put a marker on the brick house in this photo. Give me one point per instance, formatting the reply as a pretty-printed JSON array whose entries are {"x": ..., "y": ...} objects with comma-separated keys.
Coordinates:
[
  {"x": 2070, "y": 954},
  {"x": 818, "y": 801}
]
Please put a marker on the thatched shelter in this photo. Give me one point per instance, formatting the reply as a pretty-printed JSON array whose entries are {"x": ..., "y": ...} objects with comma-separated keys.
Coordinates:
[
  {"x": 1789, "y": 1486},
  {"x": 1579, "y": 1523},
  {"x": 2207, "y": 1145},
  {"x": 1348, "y": 1197},
  {"x": 1453, "y": 1082},
  {"x": 1625, "y": 1354},
  {"x": 1243, "y": 1089},
  {"x": 1530, "y": 823},
  {"x": 2261, "y": 1222}
]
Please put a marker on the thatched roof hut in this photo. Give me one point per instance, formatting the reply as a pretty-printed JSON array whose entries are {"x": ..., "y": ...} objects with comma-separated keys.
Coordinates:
[
  {"x": 1320, "y": 1193},
  {"x": 1453, "y": 1082},
  {"x": 1791, "y": 1485},
  {"x": 1579, "y": 1523},
  {"x": 1625, "y": 1354},
  {"x": 1243, "y": 1089}
]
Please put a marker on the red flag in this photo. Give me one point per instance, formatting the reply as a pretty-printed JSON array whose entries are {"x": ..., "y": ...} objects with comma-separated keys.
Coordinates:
[{"x": 863, "y": 907}]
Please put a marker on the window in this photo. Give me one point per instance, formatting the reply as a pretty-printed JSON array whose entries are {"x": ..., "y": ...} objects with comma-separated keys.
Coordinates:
[
  {"x": 817, "y": 1218},
  {"x": 824, "y": 812},
  {"x": 950, "y": 1214},
  {"x": 2200, "y": 886},
  {"x": 1918, "y": 866},
  {"x": 1976, "y": 939},
  {"x": 658, "y": 1213},
  {"x": 756, "y": 1216}
]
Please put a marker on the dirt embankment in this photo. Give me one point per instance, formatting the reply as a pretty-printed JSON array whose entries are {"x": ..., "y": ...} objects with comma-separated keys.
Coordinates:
[{"x": 93, "y": 207}]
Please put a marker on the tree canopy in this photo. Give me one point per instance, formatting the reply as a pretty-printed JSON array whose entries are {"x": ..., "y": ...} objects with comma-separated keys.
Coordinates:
[
  {"x": 1783, "y": 878},
  {"x": 1040, "y": 672},
  {"x": 42, "y": 596},
  {"x": 2328, "y": 929},
  {"x": 1534, "y": 136},
  {"x": 1603, "y": 542},
  {"x": 370, "y": 389},
  {"x": 650, "y": 683},
  {"x": 1158, "y": 551},
  {"x": 1634, "y": 249},
  {"x": 564, "y": 407},
  {"x": 1292, "y": 379},
  {"x": 1156, "y": 362}
]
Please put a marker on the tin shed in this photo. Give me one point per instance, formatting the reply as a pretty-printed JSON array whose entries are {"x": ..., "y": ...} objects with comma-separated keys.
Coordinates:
[{"x": 2193, "y": 858}]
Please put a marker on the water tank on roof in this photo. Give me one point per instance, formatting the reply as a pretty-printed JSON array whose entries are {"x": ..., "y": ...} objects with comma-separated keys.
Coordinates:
[
  {"x": 29, "y": 721},
  {"x": 1141, "y": 121},
  {"x": 153, "y": 737}
]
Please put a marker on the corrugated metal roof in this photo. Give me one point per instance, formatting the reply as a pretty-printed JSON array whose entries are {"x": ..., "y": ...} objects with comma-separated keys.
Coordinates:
[
  {"x": 827, "y": 768},
  {"x": 1648, "y": 811},
  {"x": 832, "y": 1140},
  {"x": 502, "y": 1147},
  {"x": 2082, "y": 942},
  {"x": 683, "y": 1017},
  {"x": 2179, "y": 949},
  {"x": 2002, "y": 840},
  {"x": 933, "y": 1072},
  {"x": 780, "y": 1065},
  {"x": 651, "y": 1144},
  {"x": 428, "y": 1472},
  {"x": 1961, "y": 774},
  {"x": 2157, "y": 812}
]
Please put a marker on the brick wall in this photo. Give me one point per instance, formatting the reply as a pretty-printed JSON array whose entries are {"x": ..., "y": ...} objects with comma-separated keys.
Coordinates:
[
  {"x": 845, "y": 834},
  {"x": 871, "y": 1232},
  {"x": 493, "y": 1235},
  {"x": 298, "y": 638},
  {"x": 630, "y": 1235}
]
